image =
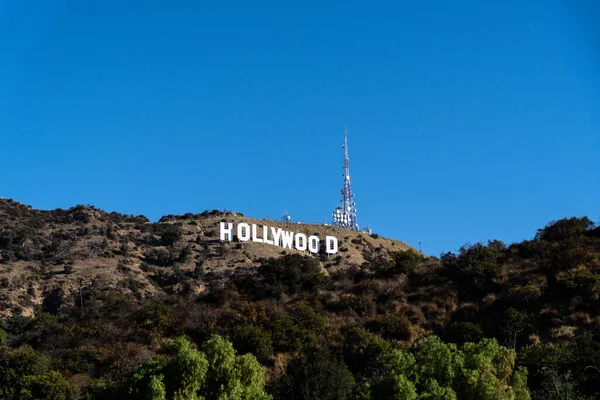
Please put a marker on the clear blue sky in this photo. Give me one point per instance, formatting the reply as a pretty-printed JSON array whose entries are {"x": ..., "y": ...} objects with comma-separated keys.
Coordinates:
[{"x": 467, "y": 120}]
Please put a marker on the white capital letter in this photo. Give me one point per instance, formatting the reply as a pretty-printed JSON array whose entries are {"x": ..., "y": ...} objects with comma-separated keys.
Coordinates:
[
  {"x": 243, "y": 232},
  {"x": 288, "y": 238},
  {"x": 313, "y": 244},
  {"x": 266, "y": 235},
  {"x": 254, "y": 238},
  {"x": 332, "y": 244},
  {"x": 276, "y": 236},
  {"x": 226, "y": 229},
  {"x": 300, "y": 241}
]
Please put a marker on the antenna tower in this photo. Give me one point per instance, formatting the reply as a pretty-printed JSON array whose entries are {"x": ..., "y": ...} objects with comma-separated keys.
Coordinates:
[{"x": 345, "y": 214}]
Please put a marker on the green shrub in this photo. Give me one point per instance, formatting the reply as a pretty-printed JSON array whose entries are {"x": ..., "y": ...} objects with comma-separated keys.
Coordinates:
[
  {"x": 289, "y": 336},
  {"x": 364, "y": 353},
  {"x": 402, "y": 263},
  {"x": 582, "y": 282},
  {"x": 524, "y": 296},
  {"x": 564, "y": 229},
  {"x": 25, "y": 375},
  {"x": 405, "y": 261},
  {"x": 297, "y": 330},
  {"x": 124, "y": 247},
  {"x": 476, "y": 265},
  {"x": 158, "y": 256},
  {"x": 253, "y": 339},
  {"x": 464, "y": 332},
  {"x": 391, "y": 327},
  {"x": 185, "y": 253},
  {"x": 315, "y": 375},
  {"x": 169, "y": 233},
  {"x": 289, "y": 274},
  {"x": 199, "y": 270}
]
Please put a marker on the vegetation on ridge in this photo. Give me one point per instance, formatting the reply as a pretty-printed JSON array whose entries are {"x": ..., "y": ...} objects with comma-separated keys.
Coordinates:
[{"x": 96, "y": 305}]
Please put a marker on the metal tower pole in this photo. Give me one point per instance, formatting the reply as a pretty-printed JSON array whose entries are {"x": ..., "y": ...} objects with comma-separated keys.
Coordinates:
[{"x": 345, "y": 214}]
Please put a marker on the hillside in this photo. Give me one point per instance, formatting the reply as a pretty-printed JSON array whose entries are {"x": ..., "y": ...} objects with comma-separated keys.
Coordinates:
[
  {"x": 103, "y": 251},
  {"x": 98, "y": 298}
]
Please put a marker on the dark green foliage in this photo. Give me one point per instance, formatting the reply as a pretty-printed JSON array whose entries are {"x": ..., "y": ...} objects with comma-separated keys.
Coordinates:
[
  {"x": 565, "y": 229},
  {"x": 524, "y": 296},
  {"x": 476, "y": 266},
  {"x": 464, "y": 332},
  {"x": 158, "y": 256},
  {"x": 315, "y": 375},
  {"x": 124, "y": 247},
  {"x": 185, "y": 253},
  {"x": 110, "y": 231},
  {"x": 559, "y": 370},
  {"x": 154, "y": 321},
  {"x": 405, "y": 261},
  {"x": 25, "y": 375},
  {"x": 561, "y": 245},
  {"x": 289, "y": 274},
  {"x": 581, "y": 282},
  {"x": 391, "y": 327},
  {"x": 199, "y": 270},
  {"x": 297, "y": 330},
  {"x": 514, "y": 325},
  {"x": 81, "y": 360},
  {"x": 6, "y": 240},
  {"x": 253, "y": 339},
  {"x": 169, "y": 233},
  {"x": 68, "y": 268},
  {"x": 364, "y": 352}
]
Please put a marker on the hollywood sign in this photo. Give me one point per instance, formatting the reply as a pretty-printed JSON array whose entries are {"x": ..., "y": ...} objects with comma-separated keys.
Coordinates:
[{"x": 278, "y": 237}]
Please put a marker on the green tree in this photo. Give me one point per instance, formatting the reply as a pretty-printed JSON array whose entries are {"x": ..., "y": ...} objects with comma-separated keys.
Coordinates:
[
  {"x": 184, "y": 373},
  {"x": 229, "y": 376},
  {"x": 565, "y": 229},
  {"x": 24, "y": 375},
  {"x": 365, "y": 353},
  {"x": 515, "y": 323},
  {"x": 169, "y": 233},
  {"x": 315, "y": 375},
  {"x": 484, "y": 370},
  {"x": 405, "y": 261}
]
